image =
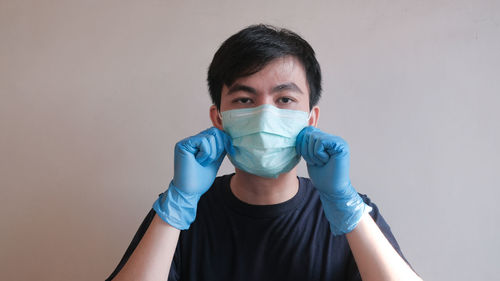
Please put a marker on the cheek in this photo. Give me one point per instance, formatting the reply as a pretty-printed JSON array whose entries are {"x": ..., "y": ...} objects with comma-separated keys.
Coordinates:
[
  {"x": 224, "y": 104},
  {"x": 303, "y": 104}
]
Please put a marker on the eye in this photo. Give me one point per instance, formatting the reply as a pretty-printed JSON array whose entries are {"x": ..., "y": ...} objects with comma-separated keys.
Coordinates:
[
  {"x": 242, "y": 100},
  {"x": 285, "y": 100}
]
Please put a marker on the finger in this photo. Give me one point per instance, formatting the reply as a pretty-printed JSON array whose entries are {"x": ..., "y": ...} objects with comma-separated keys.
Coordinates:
[
  {"x": 337, "y": 147},
  {"x": 306, "y": 153},
  {"x": 186, "y": 146},
  {"x": 299, "y": 140},
  {"x": 219, "y": 144},
  {"x": 212, "y": 154},
  {"x": 228, "y": 143},
  {"x": 314, "y": 138},
  {"x": 224, "y": 143},
  {"x": 319, "y": 151},
  {"x": 204, "y": 149},
  {"x": 215, "y": 147}
]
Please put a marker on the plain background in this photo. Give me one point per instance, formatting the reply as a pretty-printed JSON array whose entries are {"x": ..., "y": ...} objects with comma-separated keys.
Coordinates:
[{"x": 94, "y": 95}]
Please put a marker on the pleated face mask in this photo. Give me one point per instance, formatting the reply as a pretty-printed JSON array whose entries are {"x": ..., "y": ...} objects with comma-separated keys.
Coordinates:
[{"x": 264, "y": 138}]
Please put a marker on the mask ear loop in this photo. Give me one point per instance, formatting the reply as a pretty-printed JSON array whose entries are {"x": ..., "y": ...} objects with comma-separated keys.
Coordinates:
[
  {"x": 309, "y": 117},
  {"x": 220, "y": 116}
]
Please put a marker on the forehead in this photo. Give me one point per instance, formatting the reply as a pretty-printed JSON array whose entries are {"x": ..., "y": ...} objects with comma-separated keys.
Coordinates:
[{"x": 278, "y": 71}]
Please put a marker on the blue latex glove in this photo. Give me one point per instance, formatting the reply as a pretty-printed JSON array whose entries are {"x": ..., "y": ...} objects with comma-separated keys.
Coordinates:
[
  {"x": 196, "y": 162},
  {"x": 327, "y": 158}
]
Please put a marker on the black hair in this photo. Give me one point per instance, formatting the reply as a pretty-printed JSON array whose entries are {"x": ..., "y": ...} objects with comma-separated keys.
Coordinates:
[{"x": 251, "y": 49}]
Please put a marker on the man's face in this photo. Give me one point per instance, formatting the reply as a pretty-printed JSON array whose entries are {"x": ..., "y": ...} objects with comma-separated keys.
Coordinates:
[{"x": 281, "y": 83}]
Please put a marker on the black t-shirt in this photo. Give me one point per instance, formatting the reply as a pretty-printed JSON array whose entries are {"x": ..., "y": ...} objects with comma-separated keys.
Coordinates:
[{"x": 232, "y": 240}]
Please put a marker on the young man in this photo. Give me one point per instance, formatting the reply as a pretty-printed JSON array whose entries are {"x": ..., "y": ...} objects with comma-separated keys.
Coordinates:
[{"x": 263, "y": 222}]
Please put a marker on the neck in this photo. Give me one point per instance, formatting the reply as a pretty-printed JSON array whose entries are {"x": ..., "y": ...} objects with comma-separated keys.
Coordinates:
[{"x": 256, "y": 190}]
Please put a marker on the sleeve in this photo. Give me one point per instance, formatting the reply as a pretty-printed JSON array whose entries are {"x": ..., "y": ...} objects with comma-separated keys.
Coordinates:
[
  {"x": 173, "y": 275},
  {"x": 353, "y": 272}
]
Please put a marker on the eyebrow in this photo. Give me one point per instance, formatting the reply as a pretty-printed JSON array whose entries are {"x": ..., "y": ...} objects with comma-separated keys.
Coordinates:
[
  {"x": 287, "y": 87},
  {"x": 279, "y": 88},
  {"x": 243, "y": 88}
]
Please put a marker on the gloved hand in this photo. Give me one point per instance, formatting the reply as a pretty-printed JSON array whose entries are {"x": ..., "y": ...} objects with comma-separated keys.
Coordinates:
[
  {"x": 196, "y": 162},
  {"x": 327, "y": 158}
]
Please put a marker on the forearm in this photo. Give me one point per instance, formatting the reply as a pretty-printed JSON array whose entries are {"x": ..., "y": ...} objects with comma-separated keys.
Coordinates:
[
  {"x": 152, "y": 258},
  {"x": 375, "y": 257}
]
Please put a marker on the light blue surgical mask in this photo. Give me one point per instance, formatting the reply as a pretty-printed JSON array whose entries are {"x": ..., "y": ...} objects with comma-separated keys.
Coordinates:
[{"x": 264, "y": 138}]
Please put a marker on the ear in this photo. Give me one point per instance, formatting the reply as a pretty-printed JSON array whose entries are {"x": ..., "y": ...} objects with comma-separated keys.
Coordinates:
[
  {"x": 215, "y": 117},
  {"x": 313, "y": 120}
]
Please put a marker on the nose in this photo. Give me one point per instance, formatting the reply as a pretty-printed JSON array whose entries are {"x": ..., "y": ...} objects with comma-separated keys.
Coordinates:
[{"x": 264, "y": 99}]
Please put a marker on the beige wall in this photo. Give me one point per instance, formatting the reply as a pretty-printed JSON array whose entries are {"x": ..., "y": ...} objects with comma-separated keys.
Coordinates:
[{"x": 94, "y": 95}]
